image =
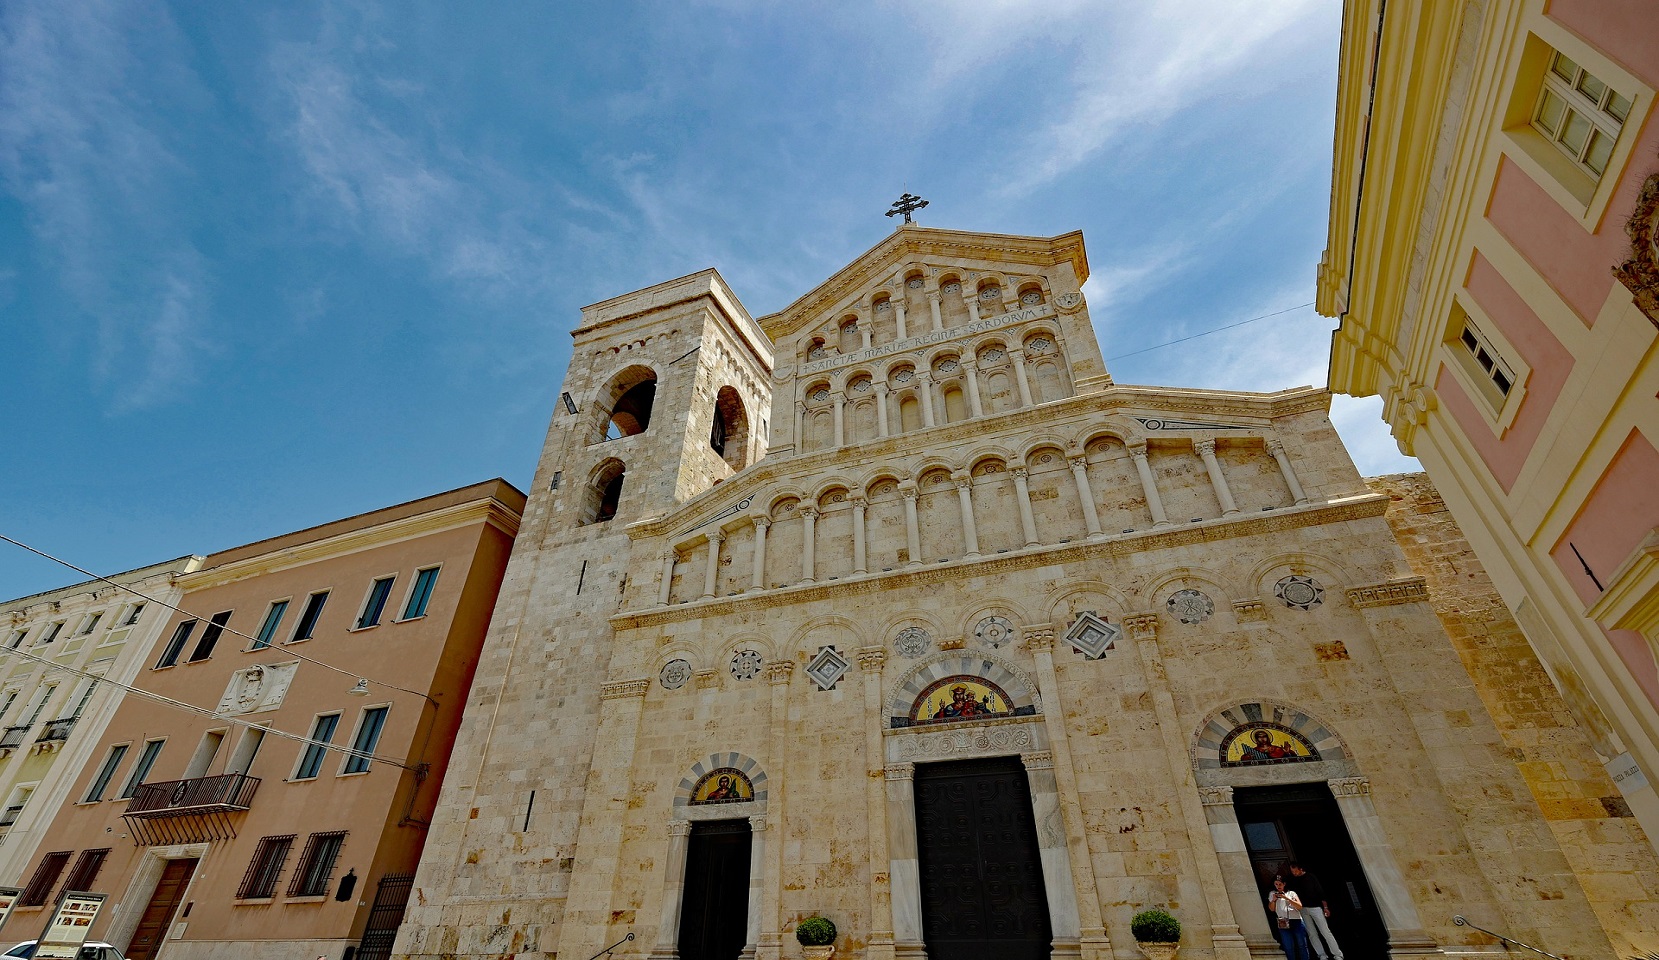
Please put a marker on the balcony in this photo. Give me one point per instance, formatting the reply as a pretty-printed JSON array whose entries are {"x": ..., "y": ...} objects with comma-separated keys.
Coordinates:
[
  {"x": 13, "y": 737},
  {"x": 189, "y": 811},
  {"x": 9, "y": 815},
  {"x": 56, "y": 731}
]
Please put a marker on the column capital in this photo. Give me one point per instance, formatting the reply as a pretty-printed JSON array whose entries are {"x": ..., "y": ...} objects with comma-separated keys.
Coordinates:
[
  {"x": 717, "y": 535},
  {"x": 1275, "y": 446},
  {"x": 1078, "y": 462},
  {"x": 838, "y": 396},
  {"x": 871, "y": 658},
  {"x": 907, "y": 489},
  {"x": 808, "y": 510},
  {"x": 757, "y": 823},
  {"x": 1137, "y": 449},
  {"x": 1039, "y": 638},
  {"x": 1216, "y": 796},
  {"x": 859, "y": 500},
  {"x": 1021, "y": 470},
  {"x": 1039, "y": 760},
  {"x": 933, "y": 296},
  {"x": 900, "y": 771},
  {"x": 669, "y": 554},
  {"x": 925, "y": 376},
  {"x": 962, "y": 479},
  {"x": 1204, "y": 448},
  {"x": 761, "y": 520},
  {"x": 679, "y": 828},
  {"x": 881, "y": 387},
  {"x": 778, "y": 672},
  {"x": 1141, "y": 626},
  {"x": 1350, "y": 786}
]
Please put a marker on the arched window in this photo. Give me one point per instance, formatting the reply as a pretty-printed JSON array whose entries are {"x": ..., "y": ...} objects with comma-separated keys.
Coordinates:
[
  {"x": 605, "y": 493},
  {"x": 628, "y": 402},
  {"x": 729, "y": 435}
]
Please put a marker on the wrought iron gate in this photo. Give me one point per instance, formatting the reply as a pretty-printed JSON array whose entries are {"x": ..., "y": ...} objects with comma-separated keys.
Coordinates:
[{"x": 390, "y": 899}]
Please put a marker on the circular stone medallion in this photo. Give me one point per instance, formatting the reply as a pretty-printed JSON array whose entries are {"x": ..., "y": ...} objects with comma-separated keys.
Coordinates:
[
  {"x": 994, "y": 632},
  {"x": 674, "y": 674},
  {"x": 1303, "y": 593},
  {"x": 912, "y": 641},
  {"x": 746, "y": 664},
  {"x": 1190, "y": 606}
]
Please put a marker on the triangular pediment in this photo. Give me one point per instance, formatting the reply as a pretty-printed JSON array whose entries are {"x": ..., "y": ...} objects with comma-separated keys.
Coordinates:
[{"x": 911, "y": 244}]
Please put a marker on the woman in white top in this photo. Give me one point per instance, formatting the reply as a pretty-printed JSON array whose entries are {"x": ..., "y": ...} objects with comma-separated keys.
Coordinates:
[{"x": 1287, "y": 915}]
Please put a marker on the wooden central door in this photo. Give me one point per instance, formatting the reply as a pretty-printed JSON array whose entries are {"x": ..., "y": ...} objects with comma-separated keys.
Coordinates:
[
  {"x": 158, "y": 916},
  {"x": 981, "y": 874},
  {"x": 714, "y": 916}
]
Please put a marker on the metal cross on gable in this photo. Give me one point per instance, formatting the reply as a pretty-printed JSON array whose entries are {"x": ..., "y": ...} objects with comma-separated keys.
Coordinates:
[{"x": 907, "y": 204}]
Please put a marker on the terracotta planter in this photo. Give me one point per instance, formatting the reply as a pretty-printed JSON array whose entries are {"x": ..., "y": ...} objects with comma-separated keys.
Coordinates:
[
  {"x": 818, "y": 953},
  {"x": 1159, "y": 951}
]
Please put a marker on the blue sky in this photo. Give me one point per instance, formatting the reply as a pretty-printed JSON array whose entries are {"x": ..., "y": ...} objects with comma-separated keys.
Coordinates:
[{"x": 262, "y": 266}]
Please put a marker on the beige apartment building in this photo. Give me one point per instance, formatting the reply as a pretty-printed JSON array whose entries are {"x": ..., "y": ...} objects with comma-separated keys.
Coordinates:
[
  {"x": 65, "y": 654},
  {"x": 279, "y": 807},
  {"x": 894, "y": 607}
]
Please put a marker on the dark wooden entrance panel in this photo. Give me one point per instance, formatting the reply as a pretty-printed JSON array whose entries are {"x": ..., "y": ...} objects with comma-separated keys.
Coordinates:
[
  {"x": 1302, "y": 822},
  {"x": 981, "y": 873},
  {"x": 164, "y": 904},
  {"x": 714, "y": 914}
]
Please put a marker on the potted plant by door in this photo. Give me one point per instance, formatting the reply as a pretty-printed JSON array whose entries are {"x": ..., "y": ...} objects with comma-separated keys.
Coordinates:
[
  {"x": 1157, "y": 933},
  {"x": 817, "y": 937}
]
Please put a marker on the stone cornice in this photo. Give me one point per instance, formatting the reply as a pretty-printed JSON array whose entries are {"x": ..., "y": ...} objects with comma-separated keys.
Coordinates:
[
  {"x": 1405, "y": 590},
  {"x": 491, "y": 511},
  {"x": 1357, "y": 507},
  {"x": 1215, "y": 404}
]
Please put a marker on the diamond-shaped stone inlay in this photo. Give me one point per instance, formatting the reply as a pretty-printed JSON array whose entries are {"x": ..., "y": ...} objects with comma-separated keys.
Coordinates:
[
  {"x": 674, "y": 674},
  {"x": 948, "y": 366},
  {"x": 912, "y": 641},
  {"x": 1303, "y": 593},
  {"x": 1190, "y": 606},
  {"x": 828, "y": 667},
  {"x": 1091, "y": 636},
  {"x": 994, "y": 631},
  {"x": 746, "y": 664}
]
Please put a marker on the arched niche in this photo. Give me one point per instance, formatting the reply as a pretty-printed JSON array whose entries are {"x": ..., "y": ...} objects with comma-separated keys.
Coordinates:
[
  {"x": 692, "y": 795},
  {"x": 994, "y": 671},
  {"x": 1309, "y": 750},
  {"x": 729, "y": 430},
  {"x": 627, "y": 402}
]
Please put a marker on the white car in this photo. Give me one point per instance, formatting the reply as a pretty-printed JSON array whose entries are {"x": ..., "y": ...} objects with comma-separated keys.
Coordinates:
[{"x": 91, "y": 951}]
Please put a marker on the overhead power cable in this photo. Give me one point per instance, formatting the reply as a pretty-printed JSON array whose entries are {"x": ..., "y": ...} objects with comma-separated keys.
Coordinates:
[
  {"x": 228, "y": 629},
  {"x": 1171, "y": 343}
]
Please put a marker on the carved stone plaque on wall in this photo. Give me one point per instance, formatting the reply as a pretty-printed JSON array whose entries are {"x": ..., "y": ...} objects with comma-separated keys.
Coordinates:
[{"x": 258, "y": 688}]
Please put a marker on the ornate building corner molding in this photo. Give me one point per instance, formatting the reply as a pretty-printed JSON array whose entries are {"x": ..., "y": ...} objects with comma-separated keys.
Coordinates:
[
  {"x": 1141, "y": 626},
  {"x": 1250, "y": 608},
  {"x": 900, "y": 771},
  {"x": 1407, "y": 590},
  {"x": 1640, "y": 273},
  {"x": 1350, "y": 786},
  {"x": 619, "y": 689},
  {"x": 1040, "y": 760},
  {"x": 778, "y": 672},
  {"x": 871, "y": 658},
  {"x": 1216, "y": 796}
]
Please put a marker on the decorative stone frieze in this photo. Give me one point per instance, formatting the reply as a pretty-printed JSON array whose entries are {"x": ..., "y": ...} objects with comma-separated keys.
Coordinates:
[
  {"x": 1350, "y": 786},
  {"x": 1216, "y": 796},
  {"x": 1038, "y": 760},
  {"x": 618, "y": 689},
  {"x": 1251, "y": 608},
  {"x": 1408, "y": 590}
]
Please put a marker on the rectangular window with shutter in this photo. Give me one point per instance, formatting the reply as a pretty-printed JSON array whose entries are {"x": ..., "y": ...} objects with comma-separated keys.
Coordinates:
[
  {"x": 181, "y": 636},
  {"x": 421, "y": 594},
  {"x": 106, "y": 773},
  {"x": 368, "y": 737},
  {"x": 260, "y": 882},
  {"x": 316, "y": 866},
  {"x": 268, "y": 629},
  {"x": 210, "y": 636},
  {"x": 375, "y": 604},
  {"x": 311, "y": 759},
  {"x": 86, "y": 870},
  {"x": 45, "y": 878}
]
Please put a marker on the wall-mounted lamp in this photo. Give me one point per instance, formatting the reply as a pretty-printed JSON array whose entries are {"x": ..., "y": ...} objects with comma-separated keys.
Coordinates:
[{"x": 360, "y": 690}]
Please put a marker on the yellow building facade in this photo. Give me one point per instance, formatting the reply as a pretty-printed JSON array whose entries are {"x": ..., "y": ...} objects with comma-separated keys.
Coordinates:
[{"x": 1491, "y": 260}]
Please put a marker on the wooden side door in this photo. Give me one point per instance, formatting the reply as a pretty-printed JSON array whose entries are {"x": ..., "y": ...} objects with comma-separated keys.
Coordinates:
[{"x": 164, "y": 904}]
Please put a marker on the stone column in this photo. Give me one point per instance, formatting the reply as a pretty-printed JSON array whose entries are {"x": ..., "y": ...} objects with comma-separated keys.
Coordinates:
[
  {"x": 1022, "y": 491},
  {"x": 1225, "y": 938},
  {"x": 761, "y": 525},
  {"x": 1051, "y": 848},
  {"x": 667, "y": 577},
  {"x": 860, "y": 561},
  {"x": 673, "y": 891},
  {"x": 1218, "y": 480},
  {"x": 1017, "y": 355},
  {"x": 864, "y": 332},
  {"x": 778, "y": 673},
  {"x": 809, "y": 533},
  {"x": 1091, "y": 516},
  {"x": 757, "y": 884},
  {"x": 965, "y": 498},
  {"x": 870, "y": 661},
  {"x": 904, "y": 874},
  {"x": 972, "y": 300},
  {"x": 800, "y": 426},
  {"x": 933, "y": 307},
  {"x": 840, "y": 418},
  {"x": 976, "y": 407},
  {"x": 883, "y": 428},
  {"x": 1094, "y": 944},
  {"x": 912, "y": 532},
  {"x": 898, "y": 313},
  {"x": 1278, "y": 450},
  {"x": 924, "y": 387},
  {"x": 711, "y": 570},
  {"x": 1149, "y": 485},
  {"x": 1236, "y": 871},
  {"x": 1382, "y": 871}
]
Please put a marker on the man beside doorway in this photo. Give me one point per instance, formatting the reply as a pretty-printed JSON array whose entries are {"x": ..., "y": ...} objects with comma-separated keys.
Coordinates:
[{"x": 1315, "y": 911}]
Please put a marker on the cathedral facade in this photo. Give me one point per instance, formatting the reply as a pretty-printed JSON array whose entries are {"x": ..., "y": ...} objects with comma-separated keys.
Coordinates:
[{"x": 892, "y": 607}]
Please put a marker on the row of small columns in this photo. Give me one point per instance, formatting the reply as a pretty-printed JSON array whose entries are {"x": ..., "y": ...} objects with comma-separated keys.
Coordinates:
[
  {"x": 924, "y": 389},
  {"x": 935, "y": 310},
  {"x": 970, "y": 529}
]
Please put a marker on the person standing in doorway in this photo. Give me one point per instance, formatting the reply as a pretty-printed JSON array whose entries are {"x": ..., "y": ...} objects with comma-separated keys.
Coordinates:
[
  {"x": 1315, "y": 912},
  {"x": 1287, "y": 915}
]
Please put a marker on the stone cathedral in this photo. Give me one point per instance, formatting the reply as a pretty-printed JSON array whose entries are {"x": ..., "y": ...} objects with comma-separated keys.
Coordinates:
[{"x": 893, "y": 607}]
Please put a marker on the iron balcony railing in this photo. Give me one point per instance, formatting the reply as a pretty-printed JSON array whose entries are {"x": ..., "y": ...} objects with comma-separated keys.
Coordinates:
[
  {"x": 223, "y": 794},
  {"x": 56, "y": 730},
  {"x": 9, "y": 816},
  {"x": 13, "y": 737}
]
